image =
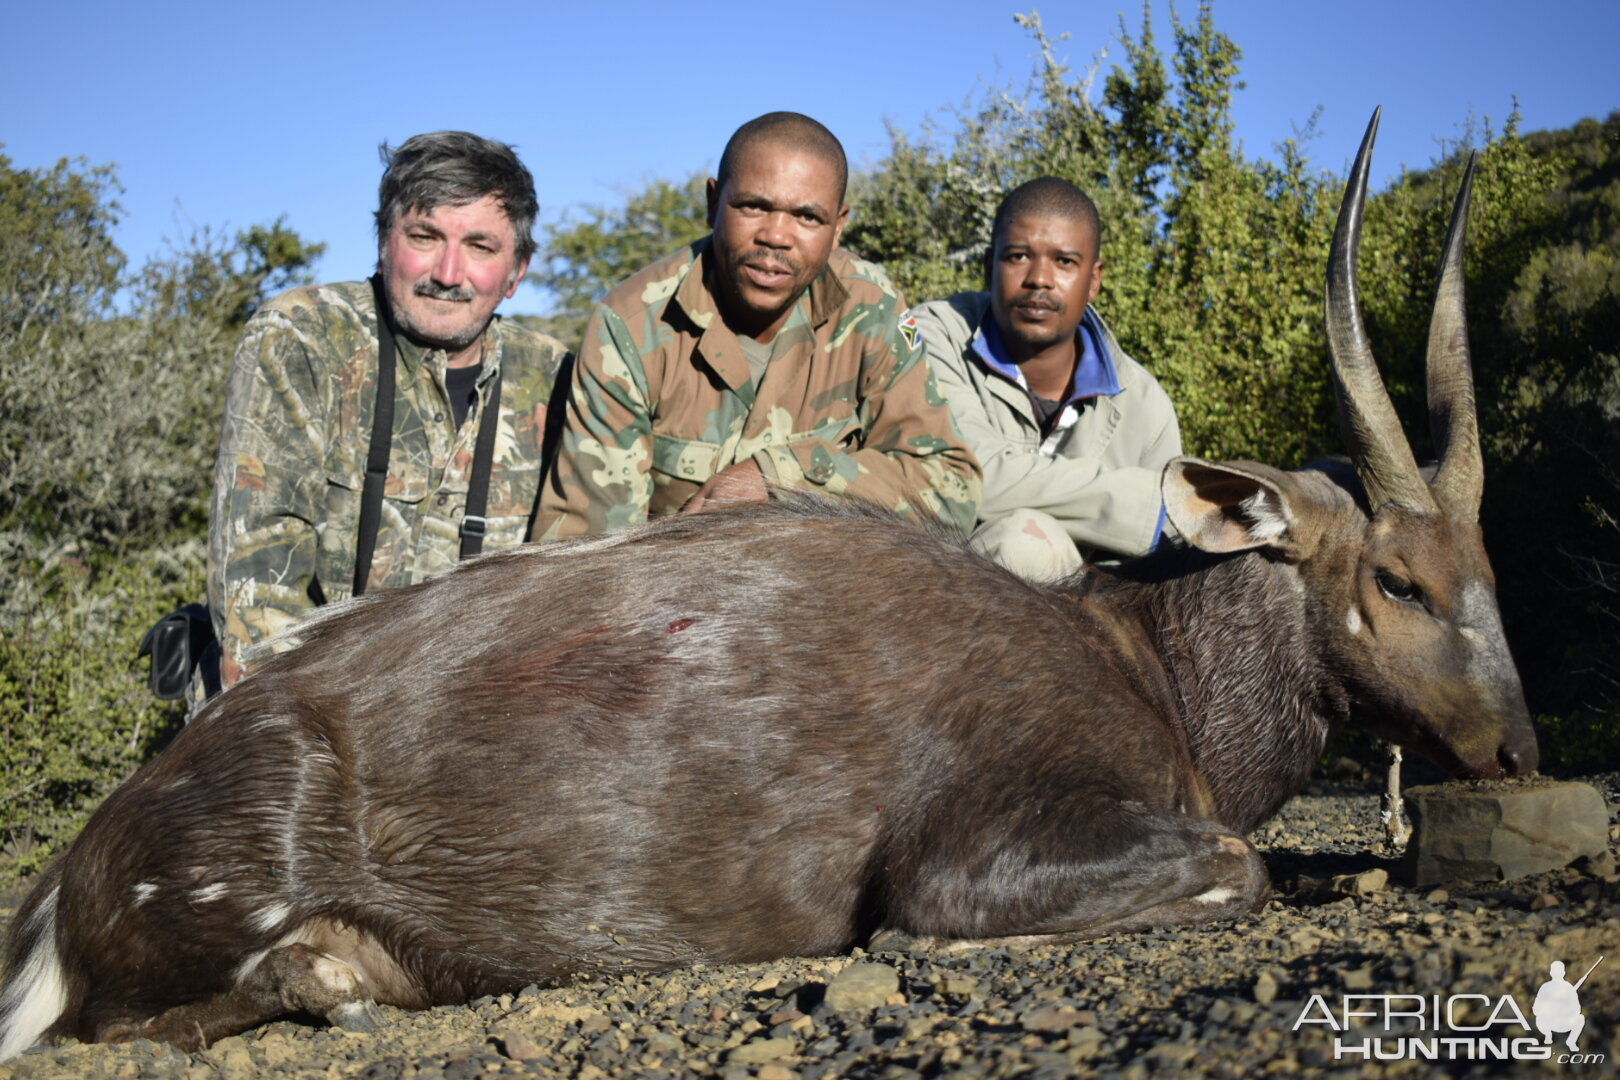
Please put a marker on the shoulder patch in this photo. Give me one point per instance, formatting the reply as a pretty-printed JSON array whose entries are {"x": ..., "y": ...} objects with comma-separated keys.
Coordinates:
[{"x": 909, "y": 329}]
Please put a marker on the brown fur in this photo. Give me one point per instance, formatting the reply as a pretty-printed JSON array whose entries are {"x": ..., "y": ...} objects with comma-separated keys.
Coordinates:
[{"x": 733, "y": 737}]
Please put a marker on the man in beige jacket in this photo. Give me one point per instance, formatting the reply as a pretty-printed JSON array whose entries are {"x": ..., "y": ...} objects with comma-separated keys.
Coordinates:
[{"x": 1072, "y": 433}]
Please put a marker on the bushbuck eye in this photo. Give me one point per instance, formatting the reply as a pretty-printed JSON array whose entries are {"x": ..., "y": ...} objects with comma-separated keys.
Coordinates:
[{"x": 1398, "y": 588}]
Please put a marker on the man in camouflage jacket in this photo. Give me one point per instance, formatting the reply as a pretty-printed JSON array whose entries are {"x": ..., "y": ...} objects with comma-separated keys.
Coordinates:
[
  {"x": 756, "y": 356},
  {"x": 454, "y": 235}
]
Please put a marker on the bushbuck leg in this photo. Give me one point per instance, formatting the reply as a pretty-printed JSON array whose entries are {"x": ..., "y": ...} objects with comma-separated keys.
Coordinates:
[
  {"x": 291, "y": 979},
  {"x": 1132, "y": 869}
]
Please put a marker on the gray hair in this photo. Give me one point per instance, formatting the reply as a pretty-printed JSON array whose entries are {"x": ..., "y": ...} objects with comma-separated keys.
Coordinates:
[{"x": 454, "y": 168}]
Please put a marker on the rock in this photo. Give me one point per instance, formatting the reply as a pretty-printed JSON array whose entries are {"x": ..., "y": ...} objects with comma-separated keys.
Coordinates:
[
  {"x": 516, "y": 1045},
  {"x": 1600, "y": 865},
  {"x": 1056, "y": 1018},
  {"x": 1365, "y": 883},
  {"x": 1086, "y": 1043},
  {"x": 958, "y": 986},
  {"x": 1172, "y": 1054},
  {"x": 1501, "y": 831},
  {"x": 565, "y": 1013},
  {"x": 1265, "y": 988},
  {"x": 918, "y": 1027},
  {"x": 862, "y": 986},
  {"x": 760, "y": 1051}
]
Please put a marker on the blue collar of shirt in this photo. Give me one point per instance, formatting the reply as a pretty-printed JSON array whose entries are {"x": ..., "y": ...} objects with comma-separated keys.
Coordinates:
[{"x": 1094, "y": 375}]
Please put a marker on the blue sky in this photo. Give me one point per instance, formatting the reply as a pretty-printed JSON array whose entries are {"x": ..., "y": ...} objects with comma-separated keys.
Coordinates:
[{"x": 227, "y": 115}]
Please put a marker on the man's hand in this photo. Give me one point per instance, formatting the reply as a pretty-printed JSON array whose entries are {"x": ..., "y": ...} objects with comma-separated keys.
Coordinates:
[{"x": 742, "y": 482}]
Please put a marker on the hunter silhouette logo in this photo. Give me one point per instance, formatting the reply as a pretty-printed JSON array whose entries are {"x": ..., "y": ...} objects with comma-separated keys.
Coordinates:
[
  {"x": 1558, "y": 1006},
  {"x": 1450, "y": 1027}
]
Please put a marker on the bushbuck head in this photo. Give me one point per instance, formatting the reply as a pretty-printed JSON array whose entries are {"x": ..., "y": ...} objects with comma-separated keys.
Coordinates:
[{"x": 1405, "y": 600}]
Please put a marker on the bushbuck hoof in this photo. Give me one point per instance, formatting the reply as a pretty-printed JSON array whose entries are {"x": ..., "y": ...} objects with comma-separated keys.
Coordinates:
[{"x": 359, "y": 1016}]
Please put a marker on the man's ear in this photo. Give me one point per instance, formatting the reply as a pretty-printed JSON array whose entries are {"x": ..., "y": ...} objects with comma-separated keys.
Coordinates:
[
  {"x": 1231, "y": 507},
  {"x": 1096, "y": 281},
  {"x": 838, "y": 229},
  {"x": 518, "y": 275},
  {"x": 712, "y": 192}
]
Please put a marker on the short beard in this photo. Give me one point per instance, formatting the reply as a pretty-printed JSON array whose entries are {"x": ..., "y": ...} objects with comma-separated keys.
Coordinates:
[
  {"x": 1032, "y": 344},
  {"x": 726, "y": 284},
  {"x": 451, "y": 345}
]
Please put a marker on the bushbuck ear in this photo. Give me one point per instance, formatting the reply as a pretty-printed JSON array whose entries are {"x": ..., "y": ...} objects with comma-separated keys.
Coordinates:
[{"x": 1223, "y": 508}]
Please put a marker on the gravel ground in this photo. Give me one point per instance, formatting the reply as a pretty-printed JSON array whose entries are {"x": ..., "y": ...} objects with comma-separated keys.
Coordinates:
[{"x": 1217, "y": 1001}]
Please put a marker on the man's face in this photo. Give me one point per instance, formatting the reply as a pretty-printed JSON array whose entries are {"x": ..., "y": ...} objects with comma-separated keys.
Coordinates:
[
  {"x": 448, "y": 269},
  {"x": 775, "y": 222},
  {"x": 1044, "y": 271}
]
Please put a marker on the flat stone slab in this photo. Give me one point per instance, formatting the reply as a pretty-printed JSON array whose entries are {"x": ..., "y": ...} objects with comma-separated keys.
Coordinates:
[{"x": 1496, "y": 830}]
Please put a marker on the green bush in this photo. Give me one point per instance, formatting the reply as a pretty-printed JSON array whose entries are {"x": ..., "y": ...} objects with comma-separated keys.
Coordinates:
[
  {"x": 106, "y": 456},
  {"x": 111, "y": 419},
  {"x": 79, "y": 717}
]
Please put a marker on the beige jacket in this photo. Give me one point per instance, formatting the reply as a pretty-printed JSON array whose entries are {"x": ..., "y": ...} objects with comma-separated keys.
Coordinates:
[{"x": 1101, "y": 478}]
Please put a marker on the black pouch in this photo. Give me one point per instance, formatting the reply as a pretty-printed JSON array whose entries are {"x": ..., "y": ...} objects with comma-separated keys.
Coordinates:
[{"x": 180, "y": 643}]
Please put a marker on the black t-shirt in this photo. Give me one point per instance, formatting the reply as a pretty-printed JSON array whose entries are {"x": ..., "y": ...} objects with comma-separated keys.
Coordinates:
[
  {"x": 462, "y": 385},
  {"x": 1046, "y": 412}
]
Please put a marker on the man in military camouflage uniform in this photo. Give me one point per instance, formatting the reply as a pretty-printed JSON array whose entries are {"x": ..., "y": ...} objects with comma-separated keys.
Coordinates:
[
  {"x": 454, "y": 234},
  {"x": 759, "y": 355},
  {"x": 1072, "y": 433}
]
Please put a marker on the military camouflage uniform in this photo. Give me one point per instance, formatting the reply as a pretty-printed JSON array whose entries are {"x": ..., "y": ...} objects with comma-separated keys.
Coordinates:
[
  {"x": 292, "y": 458},
  {"x": 663, "y": 400}
]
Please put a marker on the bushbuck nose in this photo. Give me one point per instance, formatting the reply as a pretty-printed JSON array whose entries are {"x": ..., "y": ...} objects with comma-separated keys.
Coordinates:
[{"x": 1519, "y": 756}]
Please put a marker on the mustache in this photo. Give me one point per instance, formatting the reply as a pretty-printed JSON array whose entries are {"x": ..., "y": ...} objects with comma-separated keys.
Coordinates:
[
  {"x": 1039, "y": 300},
  {"x": 434, "y": 291},
  {"x": 767, "y": 260}
]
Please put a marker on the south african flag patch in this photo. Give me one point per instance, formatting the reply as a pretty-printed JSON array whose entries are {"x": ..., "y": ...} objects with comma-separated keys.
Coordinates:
[{"x": 910, "y": 330}]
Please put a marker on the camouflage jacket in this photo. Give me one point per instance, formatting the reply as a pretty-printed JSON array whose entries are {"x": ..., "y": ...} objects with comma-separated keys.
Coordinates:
[
  {"x": 662, "y": 400},
  {"x": 292, "y": 459}
]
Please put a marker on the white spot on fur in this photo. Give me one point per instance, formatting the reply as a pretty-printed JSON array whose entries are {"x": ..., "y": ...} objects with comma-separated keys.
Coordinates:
[
  {"x": 254, "y": 959},
  {"x": 144, "y": 892},
  {"x": 271, "y": 917},
  {"x": 36, "y": 993},
  {"x": 1353, "y": 621},
  {"x": 1215, "y": 896},
  {"x": 251, "y": 961},
  {"x": 1269, "y": 521},
  {"x": 208, "y": 893}
]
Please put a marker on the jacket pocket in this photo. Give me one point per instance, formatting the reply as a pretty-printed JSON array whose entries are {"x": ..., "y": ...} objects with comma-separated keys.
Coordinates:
[
  {"x": 339, "y": 534},
  {"x": 691, "y": 460}
]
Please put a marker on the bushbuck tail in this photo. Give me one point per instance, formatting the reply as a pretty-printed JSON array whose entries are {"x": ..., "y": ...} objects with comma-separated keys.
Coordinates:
[{"x": 787, "y": 730}]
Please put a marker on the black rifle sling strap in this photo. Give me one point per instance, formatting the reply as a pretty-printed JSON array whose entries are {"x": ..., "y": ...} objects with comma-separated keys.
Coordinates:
[
  {"x": 382, "y": 430},
  {"x": 473, "y": 523}
]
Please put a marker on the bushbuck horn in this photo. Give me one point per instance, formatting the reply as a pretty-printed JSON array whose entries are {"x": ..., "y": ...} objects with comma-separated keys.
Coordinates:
[
  {"x": 1458, "y": 485},
  {"x": 1372, "y": 432}
]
